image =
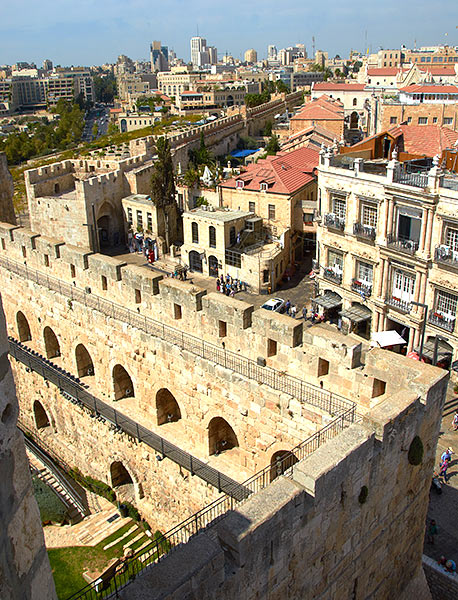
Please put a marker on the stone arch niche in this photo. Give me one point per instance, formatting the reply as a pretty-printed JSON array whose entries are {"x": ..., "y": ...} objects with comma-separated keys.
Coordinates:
[
  {"x": 122, "y": 383},
  {"x": 52, "y": 346},
  {"x": 221, "y": 436},
  {"x": 167, "y": 409},
  {"x": 119, "y": 474},
  {"x": 280, "y": 462},
  {"x": 23, "y": 327},
  {"x": 84, "y": 364},
  {"x": 40, "y": 415}
]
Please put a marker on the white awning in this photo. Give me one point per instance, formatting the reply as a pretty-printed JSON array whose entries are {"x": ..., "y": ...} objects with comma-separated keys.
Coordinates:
[{"x": 387, "y": 338}]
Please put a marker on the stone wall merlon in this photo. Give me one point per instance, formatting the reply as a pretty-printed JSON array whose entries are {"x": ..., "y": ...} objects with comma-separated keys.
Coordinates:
[
  {"x": 73, "y": 255},
  {"x": 49, "y": 245},
  {"x": 49, "y": 171},
  {"x": 182, "y": 293},
  {"x": 388, "y": 415},
  {"x": 142, "y": 279},
  {"x": 6, "y": 230},
  {"x": 331, "y": 464},
  {"x": 26, "y": 237},
  {"x": 280, "y": 328},
  {"x": 106, "y": 265},
  {"x": 231, "y": 310}
]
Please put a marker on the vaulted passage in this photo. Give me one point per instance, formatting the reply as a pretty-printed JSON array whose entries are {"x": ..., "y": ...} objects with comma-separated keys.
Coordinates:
[
  {"x": 221, "y": 436},
  {"x": 23, "y": 327},
  {"x": 52, "y": 346},
  {"x": 122, "y": 383},
  {"x": 84, "y": 364},
  {"x": 119, "y": 474},
  {"x": 167, "y": 408},
  {"x": 40, "y": 416},
  {"x": 280, "y": 462}
]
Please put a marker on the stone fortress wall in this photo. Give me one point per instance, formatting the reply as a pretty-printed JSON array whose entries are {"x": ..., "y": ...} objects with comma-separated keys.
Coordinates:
[{"x": 24, "y": 565}]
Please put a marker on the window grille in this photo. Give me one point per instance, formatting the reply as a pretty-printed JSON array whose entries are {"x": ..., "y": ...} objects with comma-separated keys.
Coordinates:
[
  {"x": 339, "y": 207},
  {"x": 369, "y": 215},
  {"x": 451, "y": 238},
  {"x": 446, "y": 303},
  {"x": 195, "y": 233}
]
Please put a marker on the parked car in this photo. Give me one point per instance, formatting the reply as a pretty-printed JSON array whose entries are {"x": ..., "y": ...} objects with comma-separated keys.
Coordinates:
[{"x": 275, "y": 305}]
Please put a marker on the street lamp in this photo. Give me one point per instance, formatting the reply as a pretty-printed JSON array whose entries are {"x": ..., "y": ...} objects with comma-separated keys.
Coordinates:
[{"x": 425, "y": 317}]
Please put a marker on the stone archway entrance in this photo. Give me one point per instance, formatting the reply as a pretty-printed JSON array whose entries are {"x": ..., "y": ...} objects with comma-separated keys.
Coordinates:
[
  {"x": 354, "y": 120},
  {"x": 213, "y": 266},
  {"x": 280, "y": 462},
  {"x": 122, "y": 383},
  {"x": 195, "y": 261},
  {"x": 119, "y": 474},
  {"x": 23, "y": 327},
  {"x": 84, "y": 364},
  {"x": 167, "y": 408},
  {"x": 221, "y": 436},
  {"x": 40, "y": 416}
]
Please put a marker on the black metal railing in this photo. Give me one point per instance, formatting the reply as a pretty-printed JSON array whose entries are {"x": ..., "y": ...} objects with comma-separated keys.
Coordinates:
[
  {"x": 408, "y": 246},
  {"x": 334, "y": 222},
  {"x": 395, "y": 302},
  {"x": 74, "y": 391},
  {"x": 212, "y": 513},
  {"x": 447, "y": 256},
  {"x": 447, "y": 323},
  {"x": 361, "y": 287},
  {"x": 419, "y": 180},
  {"x": 365, "y": 231},
  {"x": 331, "y": 275},
  {"x": 278, "y": 380}
]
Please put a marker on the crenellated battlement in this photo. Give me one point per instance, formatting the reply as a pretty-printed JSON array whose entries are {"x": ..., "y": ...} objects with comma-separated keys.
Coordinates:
[{"x": 57, "y": 169}]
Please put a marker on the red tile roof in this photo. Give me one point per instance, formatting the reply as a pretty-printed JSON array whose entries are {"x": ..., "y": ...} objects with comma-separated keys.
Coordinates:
[
  {"x": 437, "y": 69},
  {"x": 285, "y": 173},
  {"x": 427, "y": 140},
  {"x": 425, "y": 88},
  {"x": 325, "y": 86},
  {"x": 323, "y": 108},
  {"x": 384, "y": 71}
]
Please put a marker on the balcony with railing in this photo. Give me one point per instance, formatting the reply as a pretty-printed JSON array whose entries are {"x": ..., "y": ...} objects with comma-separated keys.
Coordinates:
[
  {"x": 332, "y": 275},
  {"x": 403, "y": 245},
  {"x": 417, "y": 179},
  {"x": 365, "y": 231},
  {"x": 402, "y": 305},
  {"x": 446, "y": 255},
  {"x": 362, "y": 287},
  {"x": 332, "y": 221},
  {"x": 445, "y": 322}
]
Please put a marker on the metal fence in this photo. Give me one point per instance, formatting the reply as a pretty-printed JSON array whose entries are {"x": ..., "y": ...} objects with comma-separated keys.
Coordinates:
[{"x": 280, "y": 381}]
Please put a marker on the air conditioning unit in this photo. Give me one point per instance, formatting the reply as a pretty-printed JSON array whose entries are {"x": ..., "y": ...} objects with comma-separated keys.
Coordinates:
[
  {"x": 261, "y": 361},
  {"x": 88, "y": 290}
]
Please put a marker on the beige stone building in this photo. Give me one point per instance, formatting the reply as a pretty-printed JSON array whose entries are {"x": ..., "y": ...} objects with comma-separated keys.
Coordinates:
[
  {"x": 174, "y": 84},
  {"x": 386, "y": 241}
]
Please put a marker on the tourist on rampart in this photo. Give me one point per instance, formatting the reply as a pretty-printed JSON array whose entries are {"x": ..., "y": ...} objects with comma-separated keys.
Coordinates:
[
  {"x": 304, "y": 313},
  {"x": 432, "y": 531},
  {"x": 447, "y": 454},
  {"x": 455, "y": 421},
  {"x": 288, "y": 307}
]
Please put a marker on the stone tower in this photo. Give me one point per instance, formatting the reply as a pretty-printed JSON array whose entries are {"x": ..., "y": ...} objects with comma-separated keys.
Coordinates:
[
  {"x": 6, "y": 193},
  {"x": 25, "y": 573}
]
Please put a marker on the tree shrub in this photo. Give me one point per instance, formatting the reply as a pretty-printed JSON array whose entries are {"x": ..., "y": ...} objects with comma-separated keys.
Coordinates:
[{"x": 94, "y": 485}]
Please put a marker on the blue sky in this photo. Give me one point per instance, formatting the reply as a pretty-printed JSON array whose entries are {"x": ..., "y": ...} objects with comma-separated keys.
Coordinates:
[{"x": 93, "y": 32}]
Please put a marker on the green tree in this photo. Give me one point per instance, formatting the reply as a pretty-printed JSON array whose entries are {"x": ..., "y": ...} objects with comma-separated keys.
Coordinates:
[
  {"x": 267, "y": 129},
  {"x": 95, "y": 130},
  {"x": 162, "y": 179},
  {"x": 105, "y": 88},
  {"x": 273, "y": 145}
]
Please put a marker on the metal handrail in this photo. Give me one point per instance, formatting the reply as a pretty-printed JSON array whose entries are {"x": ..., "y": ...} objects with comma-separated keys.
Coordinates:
[{"x": 247, "y": 367}]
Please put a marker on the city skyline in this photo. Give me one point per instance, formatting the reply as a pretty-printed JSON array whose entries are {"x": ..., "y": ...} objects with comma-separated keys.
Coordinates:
[{"x": 89, "y": 33}]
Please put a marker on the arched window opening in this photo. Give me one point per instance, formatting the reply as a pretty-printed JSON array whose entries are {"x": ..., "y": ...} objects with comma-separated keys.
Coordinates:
[
  {"x": 40, "y": 416},
  {"x": 84, "y": 364},
  {"x": 167, "y": 407},
  {"x": 280, "y": 462},
  {"x": 119, "y": 474},
  {"x": 212, "y": 236},
  {"x": 195, "y": 261},
  {"x": 52, "y": 347},
  {"x": 122, "y": 383},
  {"x": 23, "y": 327},
  {"x": 195, "y": 232},
  {"x": 221, "y": 436}
]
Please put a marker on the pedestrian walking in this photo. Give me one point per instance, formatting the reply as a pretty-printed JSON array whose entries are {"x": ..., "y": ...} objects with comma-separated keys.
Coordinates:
[
  {"x": 431, "y": 532},
  {"x": 443, "y": 470},
  {"x": 218, "y": 285},
  {"x": 455, "y": 421},
  {"x": 293, "y": 311},
  {"x": 447, "y": 454},
  {"x": 304, "y": 313},
  {"x": 288, "y": 307}
]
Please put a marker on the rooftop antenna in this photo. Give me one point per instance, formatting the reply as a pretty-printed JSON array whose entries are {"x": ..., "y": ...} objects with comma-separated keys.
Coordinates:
[
  {"x": 313, "y": 45},
  {"x": 197, "y": 29}
]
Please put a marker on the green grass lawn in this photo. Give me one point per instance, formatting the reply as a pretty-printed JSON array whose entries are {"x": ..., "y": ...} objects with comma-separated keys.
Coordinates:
[{"x": 68, "y": 564}]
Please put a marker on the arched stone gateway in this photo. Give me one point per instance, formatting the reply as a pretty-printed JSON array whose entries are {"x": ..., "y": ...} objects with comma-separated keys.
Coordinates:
[
  {"x": 40, "y": 416},
  {"x": 122, "y": 383},
  {"x": 221, "y": 436},
  {"x": 52, "y": 346},
  {"x": 119, "y": 474},
  {"x": 84, "y": 364},
  {"x": 23, "y": 327},
  {"x": 195, "y": 261},
  {"x": 167, "y": 408},
  {"x": 280, "y": 462}
]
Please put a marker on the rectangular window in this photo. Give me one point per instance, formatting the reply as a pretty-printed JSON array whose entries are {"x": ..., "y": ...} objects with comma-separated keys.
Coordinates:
[
  {"x": 149, "y": 221},
  {"x": 403, "y": 285},
  {"x": 448, "y": 121},
  {"x": 265, "y": 276},
  {"x": 434, "y": 119},
  {"x": 3, "y": 244},
  {"x": 139, "y": 219},
  {"x": 422, "y": 120},
  {"x": 129, "y": 216},
  {"x": 369, "y": 215},
  {"x": 104, "y": 283},
  {"x": 446, "y": 303},
  {"x": 72, "y": 271},
  {"x": 252, "y": 206},
  {"x": 222, "y": 326},
  {"x": 451, "y": 238},
  {"x": 46, "y": 258},
  {"x": 138, "y": 296},
  {"x": 271, "y": 208},
  {"x": 323, "y": 367},
  {"x": 393, "y": 120},
  {"x": 271, "y": 347},
  {"x": 177, "y": 314},
  {"x": 24, "y": 251},
  {"x": 364, "y": 272},
  {"x": 339, "y": 207},
  {"x": 409, "y": 120},
  {"x": 335, "y": 261}
]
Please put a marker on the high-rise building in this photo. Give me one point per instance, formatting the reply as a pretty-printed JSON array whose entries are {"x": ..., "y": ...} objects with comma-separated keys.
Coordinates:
[
  {"x": 198, "y": 45},
  {"x": 251, "y": 56},
  {"x": 271, "y": 52},
  {"x": 212, "y": 55},
  {"x": 159, "y": 56},
  {"x": 47, "y": 65}
]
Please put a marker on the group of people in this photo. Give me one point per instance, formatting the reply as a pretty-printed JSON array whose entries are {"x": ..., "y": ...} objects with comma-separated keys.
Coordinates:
[
  {"x": 146, "y": 246},
  {"x": 445, "y": 460},
  {"x": 181, "y": 274},
  {"x": 229, "y": 286}
]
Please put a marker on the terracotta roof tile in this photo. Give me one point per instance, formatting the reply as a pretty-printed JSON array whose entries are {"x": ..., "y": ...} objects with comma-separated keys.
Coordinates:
[
  {"x": 324, "y": 86},
  {"x": 425, "y": 88}
]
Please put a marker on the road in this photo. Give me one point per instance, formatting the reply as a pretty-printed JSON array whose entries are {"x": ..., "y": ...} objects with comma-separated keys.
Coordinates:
[{"x": 97, "y": 116}]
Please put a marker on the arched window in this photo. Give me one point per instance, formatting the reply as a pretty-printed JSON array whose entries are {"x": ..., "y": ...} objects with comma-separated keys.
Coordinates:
[
  {"x": 84, "y": 364},
  {"x": 195, "y": 232},
  {"x": 167, "y": 408},
  {"x": 52, "y": 347},
  {"x": 232, "y": 236},
  {"x": 23, "y": 327},
  {"x": 212, "y": 236},
  {"x": 221, "y": 436},
  {"x": 56, "y": 188},
  {"x": 355, "y": 101},
  {"x": 122, "y": 383},
  {"x": 280, "y": 462},
  {"x": 40, "y": 416},
  {"x": 119, "y": 474}
]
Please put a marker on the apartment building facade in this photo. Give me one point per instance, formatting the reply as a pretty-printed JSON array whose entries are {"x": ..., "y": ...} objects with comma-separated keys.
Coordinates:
[{"x": 387, "y": 251}]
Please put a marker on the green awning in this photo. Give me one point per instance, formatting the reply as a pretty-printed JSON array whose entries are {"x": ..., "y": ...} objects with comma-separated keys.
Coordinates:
[{"x": 328, "y": 300}]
